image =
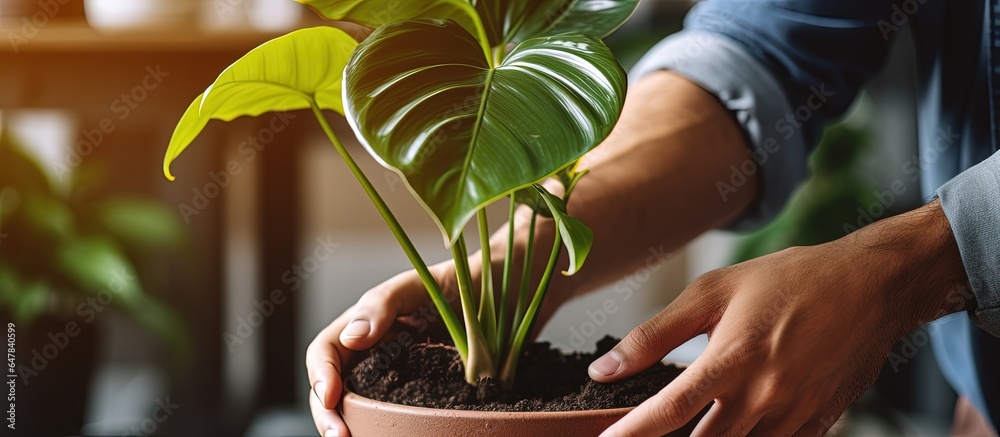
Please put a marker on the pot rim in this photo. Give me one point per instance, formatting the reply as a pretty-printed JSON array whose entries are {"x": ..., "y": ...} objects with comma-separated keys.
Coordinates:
[{"x": 350, "y": 396}]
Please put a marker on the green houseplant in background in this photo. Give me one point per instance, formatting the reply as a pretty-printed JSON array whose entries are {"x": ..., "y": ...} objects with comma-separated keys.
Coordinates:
[
  {"x": 470, "y": 102},
  {"x": 828, "y": 205},
  {"x": 66, "y": 256}
]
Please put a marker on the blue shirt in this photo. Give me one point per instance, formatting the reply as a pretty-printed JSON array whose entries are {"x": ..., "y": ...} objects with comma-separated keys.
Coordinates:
[{"x": 784, "y": 69}]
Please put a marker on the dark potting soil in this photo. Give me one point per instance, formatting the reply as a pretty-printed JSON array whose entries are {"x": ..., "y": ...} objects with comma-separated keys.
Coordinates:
[{"x": 431, "y": 375}]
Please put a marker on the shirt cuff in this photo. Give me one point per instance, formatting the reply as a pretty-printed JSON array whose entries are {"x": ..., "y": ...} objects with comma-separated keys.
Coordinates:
[
  {"x": 749, "y": 91},
  {"x": 971, "y": 201}
]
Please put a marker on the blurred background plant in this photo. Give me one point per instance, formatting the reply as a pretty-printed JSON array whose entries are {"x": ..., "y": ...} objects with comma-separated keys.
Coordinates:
[
  {"x": 823, "y": 204},
  {"x": 65, "y": 243},
  {"x": 67, "y": 253}
]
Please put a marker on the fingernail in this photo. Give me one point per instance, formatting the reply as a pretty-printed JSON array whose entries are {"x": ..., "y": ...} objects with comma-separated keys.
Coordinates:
[
  {"x": 357, "y": 329},
  {"x": 320, "y": 389},
  {"x": 607, "y": 365},
  {"x": 332, "y": 432}
]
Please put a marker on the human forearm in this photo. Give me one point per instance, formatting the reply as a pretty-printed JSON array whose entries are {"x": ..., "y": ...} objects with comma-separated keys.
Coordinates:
[
  {"x": 918, "y": 269},
  {"x": 652, "y": 183}
]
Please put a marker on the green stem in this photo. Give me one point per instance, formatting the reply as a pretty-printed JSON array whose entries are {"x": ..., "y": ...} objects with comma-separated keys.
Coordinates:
[
  {"x": 480, "y": 361},
  {"x": 487, "y": 302},
  {"x": 498, "y": 53},
  {"x": 508, "y": 260},
  {"x": 433, "y": 289},
  {"x": 522, "y": 296},
  {"x": 525, "y": 326}
]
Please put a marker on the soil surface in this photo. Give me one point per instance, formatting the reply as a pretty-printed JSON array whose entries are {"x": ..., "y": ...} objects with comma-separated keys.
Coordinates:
[{"x": 431, "y": 375}]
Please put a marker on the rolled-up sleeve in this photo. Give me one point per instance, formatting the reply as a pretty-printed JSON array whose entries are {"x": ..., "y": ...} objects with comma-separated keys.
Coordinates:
[
  {"x": 783, "y": 70},
  {"x": 751, "y": 94},
  {"x": 971, "y": 201}
]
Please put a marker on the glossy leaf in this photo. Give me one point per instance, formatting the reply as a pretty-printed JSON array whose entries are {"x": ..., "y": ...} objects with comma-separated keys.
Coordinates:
[
  {"x": 576, "y": 236},
  {"x": 568, "y": 177},
  {"x": 529, "y": 197},
  {"x": 375, "y": 13},
  {"x": 287, "y": 73},
  {"x": 426, "y": 103},
  {"x": 518, "y": 20}
]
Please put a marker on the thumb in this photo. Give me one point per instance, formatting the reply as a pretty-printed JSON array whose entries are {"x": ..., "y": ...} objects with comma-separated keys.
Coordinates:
[
  {"x": 377, "y": 310},
  {"x": 650, "y": 342}
]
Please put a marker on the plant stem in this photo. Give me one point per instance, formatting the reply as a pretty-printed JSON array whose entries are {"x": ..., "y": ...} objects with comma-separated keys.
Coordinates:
[
  {"x": 487, "y": 303},
  {"x": 508, "y": 260},
  {"x": 480, "y": 361},
  {"x": 498, "y": 54},
  {"x": 522, "y": 296},
  {"x": 433, "y": 289},
  {"x": 525, "y": 326}
]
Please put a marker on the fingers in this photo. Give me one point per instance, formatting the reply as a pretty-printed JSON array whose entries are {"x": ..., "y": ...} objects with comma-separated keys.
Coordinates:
[
  {"x": 786, "y": 421},
  {"x": 820, "y": 424},
  {"x": 324, "y": 358},
  {"x": 674, "y": 406},
  {"x": 323, "y": 363},
  {"x": 377, "y": 310},
  {"x": 328, "y": 423},
  {"x": 732, "y": 418},
  {"x": 648, "y": 343},
  {"x": 359, "y": 328}
]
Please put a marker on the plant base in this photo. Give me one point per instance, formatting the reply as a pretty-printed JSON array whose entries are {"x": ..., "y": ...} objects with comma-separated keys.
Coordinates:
[{"x": 420, "y": 391}]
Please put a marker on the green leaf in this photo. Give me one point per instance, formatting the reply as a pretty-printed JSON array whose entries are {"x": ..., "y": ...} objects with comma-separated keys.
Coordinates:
[
  {"x": 48, "y": 216},
  {"x": 22, "y": 300},
  {"x": 518, "y": 20},
  {"x": 529, "y": 196},
  {"x": 139, "y": 223},
  {"x": 568, "y": 177},
  {"x": 577, "y": 237},
  {"x": 376, "y": 13},
  {"x": 20, "y": 170},
  {"x": 287, "y": 73},
  {"x": 95, "y": 264},
  {"x": 427, "y": 104}
]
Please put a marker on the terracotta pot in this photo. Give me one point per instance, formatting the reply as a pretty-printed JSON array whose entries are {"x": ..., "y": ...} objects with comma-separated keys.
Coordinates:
[{"x": 366, "y": 417}]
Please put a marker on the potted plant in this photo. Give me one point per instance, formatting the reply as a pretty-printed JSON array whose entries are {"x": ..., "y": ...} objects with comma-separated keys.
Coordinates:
[
  {"x": 470, "y": 103},
  {"x": 65, "y": 258}
]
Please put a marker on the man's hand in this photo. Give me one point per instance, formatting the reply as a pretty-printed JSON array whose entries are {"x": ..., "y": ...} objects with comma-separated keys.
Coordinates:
[
  {"x": 797, "y": 336},
  {"x": 403, "y": 300},
  {"x": 358, "y": 329}
]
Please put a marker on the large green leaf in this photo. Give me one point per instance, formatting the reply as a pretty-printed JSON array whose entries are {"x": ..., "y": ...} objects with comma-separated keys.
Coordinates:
[
  {"x": 576, "y": 236},
  {"x": 375, "y": 13},
  {"x": 287, "y": 73},
  {"x": 426, "y": 103},
  {"x": 518, "y": 20}
]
